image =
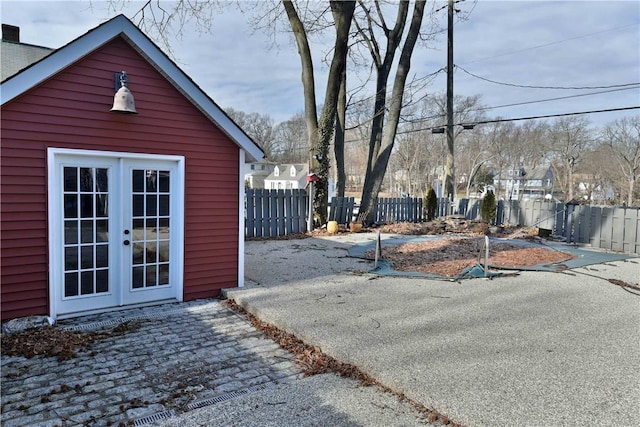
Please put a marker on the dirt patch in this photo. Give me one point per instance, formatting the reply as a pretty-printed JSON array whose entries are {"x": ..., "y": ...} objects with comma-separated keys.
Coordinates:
[{"x": 449, "y": 256}]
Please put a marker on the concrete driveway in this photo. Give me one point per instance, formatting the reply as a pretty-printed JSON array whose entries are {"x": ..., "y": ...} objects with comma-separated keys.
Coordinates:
[{"x": 539, "y": 349}]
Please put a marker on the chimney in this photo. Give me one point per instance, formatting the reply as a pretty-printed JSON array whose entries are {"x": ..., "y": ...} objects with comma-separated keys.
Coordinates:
[{"x": 10, "y": 33}]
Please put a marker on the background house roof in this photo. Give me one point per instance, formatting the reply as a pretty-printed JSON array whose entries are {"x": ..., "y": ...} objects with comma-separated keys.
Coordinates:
[
  {"x": 120, "y": 26},
  {"x": 285, "y": 173},
  {"x": 14, "y": 56}
]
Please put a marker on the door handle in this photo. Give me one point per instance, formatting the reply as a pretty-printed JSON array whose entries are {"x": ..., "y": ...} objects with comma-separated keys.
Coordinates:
[{"x": 126, "y": 243}]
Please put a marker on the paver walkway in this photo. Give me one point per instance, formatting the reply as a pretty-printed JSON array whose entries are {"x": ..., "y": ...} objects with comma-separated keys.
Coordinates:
[{"x": 176, "y": 357}]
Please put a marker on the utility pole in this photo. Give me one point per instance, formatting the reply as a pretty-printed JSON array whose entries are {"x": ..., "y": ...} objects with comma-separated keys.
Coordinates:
[
  {"x": 449, "y": 170},
  {"x": 450, "y": 166}
]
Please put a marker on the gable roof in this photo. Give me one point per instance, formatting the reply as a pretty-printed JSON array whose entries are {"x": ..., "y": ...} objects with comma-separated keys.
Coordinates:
[{"x": 120, "y": 26}]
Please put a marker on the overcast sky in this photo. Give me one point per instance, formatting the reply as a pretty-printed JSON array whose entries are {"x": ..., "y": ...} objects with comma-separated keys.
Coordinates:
[{"x": 531, "y": 43}]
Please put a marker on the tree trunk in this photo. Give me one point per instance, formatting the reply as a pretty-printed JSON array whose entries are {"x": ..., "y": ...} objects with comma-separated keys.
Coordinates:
[
  {"x": 338, "y": 148},
  {"x": 321, "y": 130},
  {"x": 378, "y": 164}
]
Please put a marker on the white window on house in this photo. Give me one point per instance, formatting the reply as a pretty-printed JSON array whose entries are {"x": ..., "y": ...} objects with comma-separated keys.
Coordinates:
[
  {"x": 279, "y": 185},
  {"x": 253, "y": 167},
  {"x": 273, "y": 185},
  {"x": 293, "y": 171},
  {"x": 276, "y": 171},
  {"x": 289, "y": 185},
  {"x": 261, "y": 167}
]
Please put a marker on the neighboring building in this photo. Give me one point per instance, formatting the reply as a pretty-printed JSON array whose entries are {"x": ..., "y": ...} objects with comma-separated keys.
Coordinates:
[
  {"x": 523, "y": 184},
  {"x": 14, "y": 56},
  {"x": 256, "y": 172},
  {"x": 287, "y": 177},
  {"x": 101, "y": 209}
]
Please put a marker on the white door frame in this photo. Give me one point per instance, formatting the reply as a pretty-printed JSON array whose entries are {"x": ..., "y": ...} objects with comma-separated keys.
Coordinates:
[{"x": 56, "y": 220}]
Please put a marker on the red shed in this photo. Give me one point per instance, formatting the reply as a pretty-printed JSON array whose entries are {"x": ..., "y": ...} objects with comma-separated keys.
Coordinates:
[{"x": 101, "y": 209}]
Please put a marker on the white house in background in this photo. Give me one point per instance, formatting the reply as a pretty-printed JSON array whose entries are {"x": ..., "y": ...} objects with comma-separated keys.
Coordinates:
[
  {"x": 287, "y": 177},
  {"x": 256, "y": 172},
  {"x": 525, "y": 183}
]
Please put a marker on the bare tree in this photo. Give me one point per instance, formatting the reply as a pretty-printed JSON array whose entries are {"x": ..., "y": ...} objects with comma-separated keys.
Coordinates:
[
  {"x": 260, "y": 127},
  {"x": 291, "y": 141},
  {"x": 622, "y": 138},
  {"x": 567, "y": 140},
  {"x": 384, "y": 131},
  {"x": 320, "y": 129}
]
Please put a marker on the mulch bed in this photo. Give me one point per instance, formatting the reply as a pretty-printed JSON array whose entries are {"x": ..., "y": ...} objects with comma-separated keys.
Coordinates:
[{"x": 449, "y": 256}]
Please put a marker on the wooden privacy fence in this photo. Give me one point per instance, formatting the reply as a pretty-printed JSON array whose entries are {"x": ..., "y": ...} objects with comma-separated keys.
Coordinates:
[
  {"x": 280, "y": 212},
  {"x": 275, "y": 212},
  {"x": 615, "y": 229}
]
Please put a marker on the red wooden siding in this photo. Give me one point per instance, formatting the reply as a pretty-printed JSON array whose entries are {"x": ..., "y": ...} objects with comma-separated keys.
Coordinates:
[{"x": 72, "y": 111}]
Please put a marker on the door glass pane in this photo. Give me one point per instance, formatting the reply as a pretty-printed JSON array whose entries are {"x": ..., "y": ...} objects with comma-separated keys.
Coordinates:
[
  {"x": 138, "y": 252},
  {"x": 70, "y": 284},
  {"x": 138, "y": 205},
  {"x": 101, "y": 205},
  {"x": 151, "y": 276},
  {"x": 86, "y": 257},
  {"x": 163, "y": 251},
  {"x": 102, "y": 180},
  {"x": 86, "y": 283},
  {"x": 163, "y": 274},
  {"x": 70, "y": 232},
  {"x": 102, "y": 256},
  {"x": 138, "y": 181},
  {"x": 152, "y": 201},
  {"x": 151, "y": 253},
  {"x": 164, "y": 181},
  {"x": 151, "y": 221},
  {"x": 102, "y": 281},
  {"x": 138, "y": 229},
  {"x": 70, "y": 179},
  {"x": 86, "y": 180},
  {"x": 86, "y": 234},
  {"x": 164, "y": 205},
  {"x": 151, "y": 229},
  {"x": 102, "y": 231},
  {"x": 71, "y": 258},
  {"x": 138, "y": 277},
  {"x": 71, "y": 206},
  {"x": 152, "y": 181},
  {"x": 86, "y": 205}
]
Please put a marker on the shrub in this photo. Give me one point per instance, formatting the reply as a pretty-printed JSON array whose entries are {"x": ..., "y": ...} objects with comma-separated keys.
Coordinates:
[
  {"x": 488, "y": 208},
  {"x": 431, "y": 204}
]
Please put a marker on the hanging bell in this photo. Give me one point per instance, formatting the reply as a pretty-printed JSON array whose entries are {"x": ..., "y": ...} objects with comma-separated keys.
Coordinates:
[{"x": 123, "y": 99}]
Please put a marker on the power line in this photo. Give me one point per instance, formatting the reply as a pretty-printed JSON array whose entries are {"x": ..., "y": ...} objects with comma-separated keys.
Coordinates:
[
  {"x": 436, "y": 116},
  {"x": 546, "y": 87},
  {"x": 546, "y": 116},
  {"x": 555, "y": 99}
]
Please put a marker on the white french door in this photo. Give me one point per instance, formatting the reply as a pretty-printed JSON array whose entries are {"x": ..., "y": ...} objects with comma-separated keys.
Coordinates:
[{"x": 116, "y": 229}]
